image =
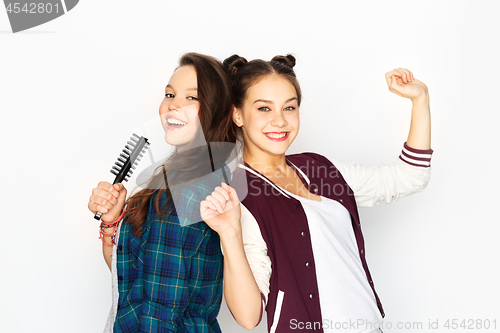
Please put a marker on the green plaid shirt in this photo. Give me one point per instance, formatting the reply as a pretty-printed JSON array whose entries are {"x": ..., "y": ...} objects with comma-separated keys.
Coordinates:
[{"x": 170, "y": 279}]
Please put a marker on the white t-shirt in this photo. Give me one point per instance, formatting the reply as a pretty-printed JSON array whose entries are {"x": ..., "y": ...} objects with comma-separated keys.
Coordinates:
[{"x": 347, "y": 300}]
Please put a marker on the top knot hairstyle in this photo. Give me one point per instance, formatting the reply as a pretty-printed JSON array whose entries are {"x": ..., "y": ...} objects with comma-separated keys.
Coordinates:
[
  {"x": 234, "y": 63},
  {"x": 288, "y": 60},
  {"x": 247, "y": 73}
]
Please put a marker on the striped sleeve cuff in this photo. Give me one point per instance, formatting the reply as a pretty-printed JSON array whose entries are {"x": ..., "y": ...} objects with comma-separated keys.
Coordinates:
[{"x": 416, "y": 157}]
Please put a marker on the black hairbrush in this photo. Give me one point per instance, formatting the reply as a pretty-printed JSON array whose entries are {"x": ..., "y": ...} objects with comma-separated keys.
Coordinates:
[{"x": 128, "y": 159}]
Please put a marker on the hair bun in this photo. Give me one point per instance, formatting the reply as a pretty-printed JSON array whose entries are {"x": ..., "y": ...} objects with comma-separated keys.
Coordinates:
[
  {"x": 234, "y": 63},
  {"x": 288, "y": 60}
]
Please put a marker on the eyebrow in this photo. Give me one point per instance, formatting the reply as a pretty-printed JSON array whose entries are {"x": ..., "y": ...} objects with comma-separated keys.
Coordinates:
[
  {"x": 170, "y": 86},
  {"x": 271, "y": 102}
]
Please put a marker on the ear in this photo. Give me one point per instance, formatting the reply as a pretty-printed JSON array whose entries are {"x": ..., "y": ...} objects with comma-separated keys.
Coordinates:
[{"x": 237, "y": 116}]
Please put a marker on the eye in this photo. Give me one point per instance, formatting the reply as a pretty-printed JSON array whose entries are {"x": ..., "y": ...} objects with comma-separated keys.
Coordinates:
[
  {"x": 289, "y": 108},
  {"x": 192, "y": 98},
  {"x": 264, "y": 108},
  {"x": 168, "y": 95}
]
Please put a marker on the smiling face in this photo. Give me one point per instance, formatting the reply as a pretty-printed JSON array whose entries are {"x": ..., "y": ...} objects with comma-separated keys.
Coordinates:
[
  {"x": 269, "y": 117},
  {"x": 179, "y": 109}
]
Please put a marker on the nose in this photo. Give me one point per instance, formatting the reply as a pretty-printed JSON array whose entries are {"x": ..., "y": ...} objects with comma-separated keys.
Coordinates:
[
  {"x": 174, "y": 104},
  {"x": 278, "y": 119}
]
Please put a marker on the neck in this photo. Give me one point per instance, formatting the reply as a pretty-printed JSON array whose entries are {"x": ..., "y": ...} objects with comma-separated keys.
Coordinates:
[{"x": 267, "y": 164}]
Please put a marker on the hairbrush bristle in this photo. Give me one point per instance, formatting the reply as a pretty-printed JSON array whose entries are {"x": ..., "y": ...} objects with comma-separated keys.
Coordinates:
[
  {"x": 127, "y": 160},
  {"x": 129, "y": 157}
]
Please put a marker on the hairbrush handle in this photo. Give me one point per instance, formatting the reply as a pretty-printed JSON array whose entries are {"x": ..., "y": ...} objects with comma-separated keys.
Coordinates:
[{"x": 127, "y": 160}]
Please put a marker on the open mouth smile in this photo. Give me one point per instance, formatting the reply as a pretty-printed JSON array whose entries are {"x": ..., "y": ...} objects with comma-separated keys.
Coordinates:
[
  {"x": 277, "y": 136},
  {"x": 174, "y": 123}
]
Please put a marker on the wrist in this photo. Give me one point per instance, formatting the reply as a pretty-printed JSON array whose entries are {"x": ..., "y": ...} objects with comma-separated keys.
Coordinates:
[
  {"x": 421, "y": 100},
  {"x": 107, "y": 234},
  {"x": 231, "y": 244},
  {"x": 115, "y": 219},
  {"x": 107, "y": 230},
  {"x": 231, "y": 235}
]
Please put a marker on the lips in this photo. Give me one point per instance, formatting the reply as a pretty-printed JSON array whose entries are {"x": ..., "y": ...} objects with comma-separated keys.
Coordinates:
[
  {"x": 277, "y": 136},
  {"x": 174, "y": 123}
]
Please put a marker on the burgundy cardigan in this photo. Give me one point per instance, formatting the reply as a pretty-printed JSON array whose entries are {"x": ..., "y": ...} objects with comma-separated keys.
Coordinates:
[{"x": 284, "y": 228}]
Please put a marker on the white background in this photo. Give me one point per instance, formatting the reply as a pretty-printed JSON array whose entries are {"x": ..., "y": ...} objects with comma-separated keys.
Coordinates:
[{"x": 72, "y": 91}]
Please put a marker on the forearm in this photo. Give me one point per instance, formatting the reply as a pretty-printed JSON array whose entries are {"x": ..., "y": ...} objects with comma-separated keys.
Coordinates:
[
  {"x": 240, "y": 289},
  {"x": 419, "y": 136},
  {"x": 107, "y": 250}
]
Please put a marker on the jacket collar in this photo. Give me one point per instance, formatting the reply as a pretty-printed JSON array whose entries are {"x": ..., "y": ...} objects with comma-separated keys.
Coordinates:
[{"x": 300, "y": 173}]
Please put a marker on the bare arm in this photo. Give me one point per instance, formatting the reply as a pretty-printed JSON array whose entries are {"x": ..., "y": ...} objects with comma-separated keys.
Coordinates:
[
  {"x": 240, "y": 289},
  {"x": 411, "y": 173},
  {"x": 401, "y": 82},
  {"x": 222, "y": 212},
  {"x": 109, "y": 200},
  {"x": 419, "y": 136},
  {"x": 107, "y": 250}
]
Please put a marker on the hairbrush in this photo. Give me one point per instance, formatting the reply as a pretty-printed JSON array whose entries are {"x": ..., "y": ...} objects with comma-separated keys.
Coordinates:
[{"x": 127, "y": 160}]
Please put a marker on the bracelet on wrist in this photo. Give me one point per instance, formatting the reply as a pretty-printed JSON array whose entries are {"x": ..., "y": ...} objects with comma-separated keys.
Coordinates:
[{"x": 108, "y": 225}]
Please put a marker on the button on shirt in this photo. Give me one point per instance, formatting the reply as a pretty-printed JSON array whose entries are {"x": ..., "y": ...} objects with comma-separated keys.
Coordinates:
[
  {"x": 170, "y": 278},
  {"x": 264, "y": 219}
]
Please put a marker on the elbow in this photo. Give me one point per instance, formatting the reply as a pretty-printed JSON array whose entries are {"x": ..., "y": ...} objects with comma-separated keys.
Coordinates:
[
  {"x": 247, "y": 310},
  {"x": 423, "y": 182},
  {"x": 249, "y": 323},
  {"x": 248, "y": 318}
]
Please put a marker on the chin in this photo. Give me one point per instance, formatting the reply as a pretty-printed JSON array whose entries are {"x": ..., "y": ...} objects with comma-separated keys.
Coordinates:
[
  {"x": 278, "y": 153},
  {"x": 174, "y": 140},
  {"x": 276, "y": 148},
  {"x": 275, "y": 152}
]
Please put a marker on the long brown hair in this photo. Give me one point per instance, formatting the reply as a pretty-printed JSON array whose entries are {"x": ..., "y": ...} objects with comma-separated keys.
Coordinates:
[{"x": 214, "y": 95}]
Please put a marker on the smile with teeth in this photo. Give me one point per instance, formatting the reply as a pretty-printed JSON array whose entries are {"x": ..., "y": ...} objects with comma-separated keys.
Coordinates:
[
  {"x": 277, "y": 136},
  {"x": 175, "y": 122}
]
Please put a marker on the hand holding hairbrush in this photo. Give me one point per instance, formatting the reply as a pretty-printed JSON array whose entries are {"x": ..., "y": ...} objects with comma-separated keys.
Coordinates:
[{"x": 128, "y": 160}]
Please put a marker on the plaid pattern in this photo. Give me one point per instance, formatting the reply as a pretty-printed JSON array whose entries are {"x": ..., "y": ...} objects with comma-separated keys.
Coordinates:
[
  {"x": 170, "y": 279},
  {"x": 188, "y": 196}
]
